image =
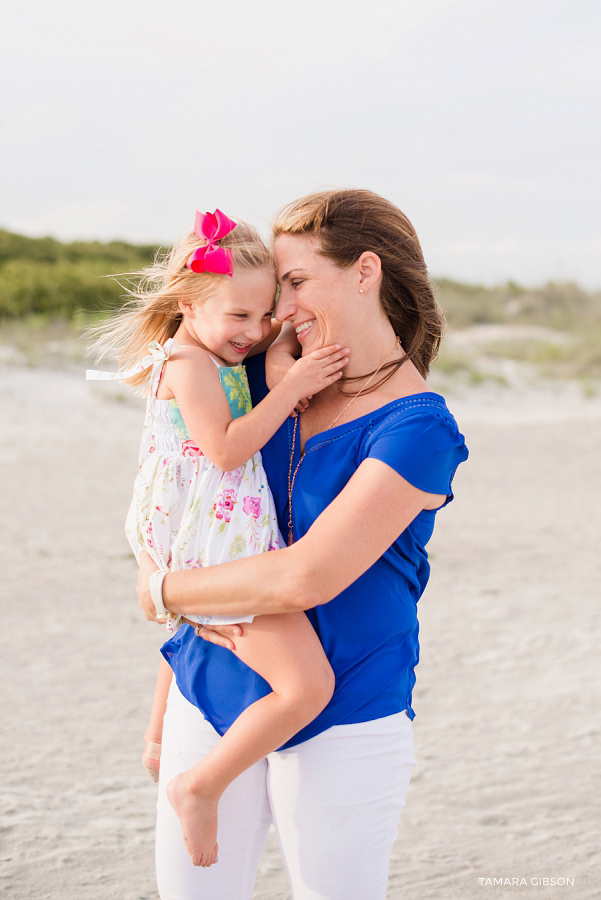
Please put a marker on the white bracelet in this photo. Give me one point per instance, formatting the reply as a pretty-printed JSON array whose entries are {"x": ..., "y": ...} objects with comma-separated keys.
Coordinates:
[{"x": 155, "y": 586}]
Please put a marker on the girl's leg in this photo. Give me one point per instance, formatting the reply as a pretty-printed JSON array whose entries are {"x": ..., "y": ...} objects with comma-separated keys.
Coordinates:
[
  {"x": 244, "y": 816},
  {"x": 336, "y": 801},
  {"x": 286, "y": 652},
  {"x": 153, "y": 732}
]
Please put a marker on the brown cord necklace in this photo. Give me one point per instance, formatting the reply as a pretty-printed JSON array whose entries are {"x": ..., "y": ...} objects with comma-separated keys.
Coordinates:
[{"x": 292, "y": 475}]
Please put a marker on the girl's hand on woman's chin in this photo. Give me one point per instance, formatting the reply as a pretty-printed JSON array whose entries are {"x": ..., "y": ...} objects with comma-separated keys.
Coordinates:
[{"x": 147, "y": 567}]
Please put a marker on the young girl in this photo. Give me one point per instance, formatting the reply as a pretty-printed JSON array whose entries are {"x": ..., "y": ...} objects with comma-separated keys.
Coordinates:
[{"x": 201, "y": 494}]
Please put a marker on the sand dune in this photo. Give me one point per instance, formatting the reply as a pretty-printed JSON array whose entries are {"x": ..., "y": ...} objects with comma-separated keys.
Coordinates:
[{"x": 509, "y": 687}]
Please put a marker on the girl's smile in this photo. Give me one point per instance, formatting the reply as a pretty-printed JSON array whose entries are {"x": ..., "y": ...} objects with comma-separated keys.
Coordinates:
[{"x": 240, "y": 348}]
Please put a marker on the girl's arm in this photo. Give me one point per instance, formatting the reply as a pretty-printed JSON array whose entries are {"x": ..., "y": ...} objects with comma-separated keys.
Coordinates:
[
  {"x": 192, "y": 378},
  {"x": 282, "y": 355},
  {"x": 154, "y": 729},
  {"x": 343, "y": 542}
]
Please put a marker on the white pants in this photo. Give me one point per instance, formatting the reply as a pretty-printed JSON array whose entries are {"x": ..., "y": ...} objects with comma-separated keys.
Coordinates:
[{"x": 335, "y": 801}]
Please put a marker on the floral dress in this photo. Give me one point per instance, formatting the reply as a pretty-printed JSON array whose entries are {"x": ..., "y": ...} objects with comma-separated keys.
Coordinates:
[{"x": 187, "y": 513}]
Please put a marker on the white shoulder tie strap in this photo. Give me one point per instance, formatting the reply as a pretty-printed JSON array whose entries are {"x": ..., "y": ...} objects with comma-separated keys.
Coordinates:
[{"x": 157, "y": 353}]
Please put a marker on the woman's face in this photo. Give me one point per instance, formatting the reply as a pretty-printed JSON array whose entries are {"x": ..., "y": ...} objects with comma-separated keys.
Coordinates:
[{"x": 314, "y": 292}]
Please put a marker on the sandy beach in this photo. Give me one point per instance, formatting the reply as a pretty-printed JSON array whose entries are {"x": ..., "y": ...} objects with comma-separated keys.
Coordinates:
[{"x": 508, "y": 694}]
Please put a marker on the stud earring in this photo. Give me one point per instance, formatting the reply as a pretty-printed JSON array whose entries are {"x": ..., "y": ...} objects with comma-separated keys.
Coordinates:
[{"x": 360, "y": 290}]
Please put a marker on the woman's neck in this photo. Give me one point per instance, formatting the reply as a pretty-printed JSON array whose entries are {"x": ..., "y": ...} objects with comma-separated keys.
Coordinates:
[{"x": 370, "y": 349}]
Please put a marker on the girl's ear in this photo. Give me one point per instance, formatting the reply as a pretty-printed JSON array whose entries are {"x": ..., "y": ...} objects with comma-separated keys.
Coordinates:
[{"x": 186, "y": 308}]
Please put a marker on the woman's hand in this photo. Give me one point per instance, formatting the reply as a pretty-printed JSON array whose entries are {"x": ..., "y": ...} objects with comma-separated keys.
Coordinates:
[
  {"x": 217, "y": 634},
  {"x": 147, "y": 567}
]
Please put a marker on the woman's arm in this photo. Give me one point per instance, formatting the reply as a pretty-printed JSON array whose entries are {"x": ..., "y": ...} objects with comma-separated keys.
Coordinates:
[
  {"x": 192, "y": 378},
  {"x": 343, "y": 542}
]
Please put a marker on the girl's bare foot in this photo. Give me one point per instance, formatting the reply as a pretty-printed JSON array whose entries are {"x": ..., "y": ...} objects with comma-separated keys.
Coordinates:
[
  {"x": 151, "y": 757},
  {"x": 197, "y": 816}
]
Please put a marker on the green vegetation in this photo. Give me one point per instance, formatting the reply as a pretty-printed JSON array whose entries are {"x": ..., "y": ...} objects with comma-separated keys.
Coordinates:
[
  {"x": 49, "y": 290},
  {"x": 44, "y": 276},
  {"x": 568, "y": 345},
  {"x": 579, "y": 357},
  {"x": 562, "y": 306}
]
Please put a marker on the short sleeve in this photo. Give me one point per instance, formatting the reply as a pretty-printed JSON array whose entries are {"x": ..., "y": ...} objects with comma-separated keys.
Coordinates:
[{"x": 423, "y": 446}]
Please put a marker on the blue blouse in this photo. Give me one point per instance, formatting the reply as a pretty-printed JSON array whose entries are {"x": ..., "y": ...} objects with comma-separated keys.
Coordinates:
[{"x": 369, "y": 631}]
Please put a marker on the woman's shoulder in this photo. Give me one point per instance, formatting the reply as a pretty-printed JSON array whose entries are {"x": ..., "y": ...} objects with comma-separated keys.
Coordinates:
[
  {"x": 421, "y": 408},
  {"x": 423, "y": 403},
  {"x": 418, "y": 437},
  {"x": 414, "y": 418}
]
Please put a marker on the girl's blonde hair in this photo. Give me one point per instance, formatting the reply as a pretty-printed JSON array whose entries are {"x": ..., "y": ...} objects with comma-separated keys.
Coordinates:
[
  {"x": 346, "y": 223},
  {"x": 152, "y": 312}
]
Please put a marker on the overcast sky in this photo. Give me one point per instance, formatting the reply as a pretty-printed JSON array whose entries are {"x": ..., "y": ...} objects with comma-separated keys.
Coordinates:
[{"x": 480, "y": 119}]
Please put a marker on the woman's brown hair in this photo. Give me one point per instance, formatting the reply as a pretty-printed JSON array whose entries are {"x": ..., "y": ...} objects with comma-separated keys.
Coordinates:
[{"x": 349, "y": 222}]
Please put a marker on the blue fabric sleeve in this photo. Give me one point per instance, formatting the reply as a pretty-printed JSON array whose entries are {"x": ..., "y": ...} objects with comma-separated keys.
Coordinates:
[{"x": 423, "y": 446}]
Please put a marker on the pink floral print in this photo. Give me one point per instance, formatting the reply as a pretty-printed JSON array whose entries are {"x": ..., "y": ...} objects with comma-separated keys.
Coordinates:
[{"x": 252, "y": 506}]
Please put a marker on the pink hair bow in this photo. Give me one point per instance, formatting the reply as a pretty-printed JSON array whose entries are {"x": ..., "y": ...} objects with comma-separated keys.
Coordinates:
[{"x": 211, "y": 227}]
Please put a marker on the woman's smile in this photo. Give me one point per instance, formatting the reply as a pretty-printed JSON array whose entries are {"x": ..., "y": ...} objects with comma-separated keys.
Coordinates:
[{"x": 303, "y": 329}]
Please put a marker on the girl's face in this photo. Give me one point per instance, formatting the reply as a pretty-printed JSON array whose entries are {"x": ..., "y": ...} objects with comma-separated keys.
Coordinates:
[
  {"x": 235, "y": 317},
  {"x": 314, "y": 293}
]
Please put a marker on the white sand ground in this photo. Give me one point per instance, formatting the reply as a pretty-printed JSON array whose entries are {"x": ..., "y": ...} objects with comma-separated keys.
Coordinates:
[{"x": 509, "y": 688}]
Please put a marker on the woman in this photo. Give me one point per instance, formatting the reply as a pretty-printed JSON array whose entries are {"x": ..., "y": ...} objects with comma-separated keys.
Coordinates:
[{"x": 357, "y": 480}]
